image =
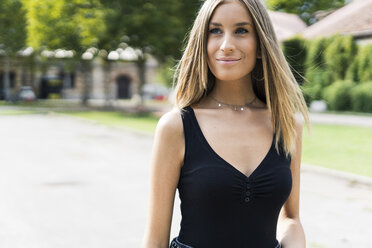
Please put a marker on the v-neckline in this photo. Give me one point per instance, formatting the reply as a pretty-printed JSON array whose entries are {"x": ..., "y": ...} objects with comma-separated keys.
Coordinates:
[{"x": 224, "y": 160}]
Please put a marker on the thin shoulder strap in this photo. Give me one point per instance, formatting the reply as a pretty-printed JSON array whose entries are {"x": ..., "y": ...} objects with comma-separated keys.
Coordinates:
[{"x": 187, "y": 127}]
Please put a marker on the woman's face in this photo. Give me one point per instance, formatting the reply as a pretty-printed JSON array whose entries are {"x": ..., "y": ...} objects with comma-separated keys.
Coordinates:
[{"x": 232, "y": 42}]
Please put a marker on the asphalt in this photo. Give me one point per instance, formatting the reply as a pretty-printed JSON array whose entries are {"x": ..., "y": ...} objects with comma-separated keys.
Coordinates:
[
  {"x": 341, "y": 119},
  {"x": 67, "y": 182}
]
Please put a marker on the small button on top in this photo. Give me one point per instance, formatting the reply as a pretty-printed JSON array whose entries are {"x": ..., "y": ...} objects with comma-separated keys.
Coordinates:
[
  {"x": 247, "y": 199},
  {"x": 248, "y": 193},
  {"x": 248, "y": 186}
]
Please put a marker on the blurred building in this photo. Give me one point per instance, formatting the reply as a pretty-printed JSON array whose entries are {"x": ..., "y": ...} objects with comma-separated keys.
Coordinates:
[
  {"x": 286, "y": 25},
  {"x": 119, "y": 81},
  {"x": 353, "y": 19},
  {"x": 116, "y": 79}
]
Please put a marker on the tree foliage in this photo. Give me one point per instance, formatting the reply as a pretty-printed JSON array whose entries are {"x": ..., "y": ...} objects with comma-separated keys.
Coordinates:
[
  {"x": 304, "y": 8},
  {"x": 12, "y": 25},
  {"x": 152, "y": 26},
  {"x": 64, "y": 24},
  {"x": 155, "y": 27}
]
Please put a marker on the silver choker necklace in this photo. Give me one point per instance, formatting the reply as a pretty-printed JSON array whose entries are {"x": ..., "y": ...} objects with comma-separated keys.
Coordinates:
[{"x": 232, "y": 106}]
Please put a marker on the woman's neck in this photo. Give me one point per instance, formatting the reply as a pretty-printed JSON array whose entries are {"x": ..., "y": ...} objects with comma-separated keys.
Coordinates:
[{"x": 237, "y": 92}]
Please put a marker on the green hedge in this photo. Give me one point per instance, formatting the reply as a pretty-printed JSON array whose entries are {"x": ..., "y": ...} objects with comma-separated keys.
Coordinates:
[
  {"x": 361, "y": 69},
  {"x": 334, "y": 68},
  {"x": 365, "y": 64},
  {"x": 361, "y": 97},
  {"x": 317, "y": 80},
  {"x": 339, "y": 54},
  {"x": 337, "y": 95},
  {"x": 315, "y": 55},
  {"x": 316, "y": 73},
  {"x": 295, "y": 53}
]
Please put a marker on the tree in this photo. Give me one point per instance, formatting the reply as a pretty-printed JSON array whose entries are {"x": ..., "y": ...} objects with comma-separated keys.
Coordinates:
[
  {"x": 12, "y": 35},
  {"x": 66, "y": 24},
  {"x": 304, "y": 8},
  {"x": 155, "y": 27}
]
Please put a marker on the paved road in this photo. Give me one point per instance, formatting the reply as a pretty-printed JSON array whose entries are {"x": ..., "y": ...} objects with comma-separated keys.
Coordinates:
[
  {"x": 70, "y": 183},
  {"x": 341, "y": 119}
]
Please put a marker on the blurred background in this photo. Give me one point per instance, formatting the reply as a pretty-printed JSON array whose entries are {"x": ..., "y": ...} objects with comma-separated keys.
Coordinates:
[{"x": 84, "y": 82}]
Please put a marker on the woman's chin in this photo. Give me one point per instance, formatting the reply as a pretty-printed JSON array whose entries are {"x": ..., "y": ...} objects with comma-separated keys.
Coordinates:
[{"x": 230, "y": 77}]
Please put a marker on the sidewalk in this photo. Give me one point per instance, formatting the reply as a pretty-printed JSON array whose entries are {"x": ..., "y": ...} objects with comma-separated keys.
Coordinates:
[{"x": 341, "y": 119}]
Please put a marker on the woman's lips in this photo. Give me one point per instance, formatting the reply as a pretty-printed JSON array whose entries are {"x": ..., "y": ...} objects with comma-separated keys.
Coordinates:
[{"x": 227, "y": 61}]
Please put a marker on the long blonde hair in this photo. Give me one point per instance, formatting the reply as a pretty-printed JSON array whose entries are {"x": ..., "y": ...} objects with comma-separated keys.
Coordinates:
[{"x": 273, "y": 81}]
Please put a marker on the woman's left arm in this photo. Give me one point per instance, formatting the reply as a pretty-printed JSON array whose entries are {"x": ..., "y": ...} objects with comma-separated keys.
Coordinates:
[{"x": 290, "y": 231}]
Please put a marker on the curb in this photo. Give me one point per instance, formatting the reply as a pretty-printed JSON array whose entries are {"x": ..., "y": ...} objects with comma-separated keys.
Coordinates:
[{"x": 346, "y": 176}]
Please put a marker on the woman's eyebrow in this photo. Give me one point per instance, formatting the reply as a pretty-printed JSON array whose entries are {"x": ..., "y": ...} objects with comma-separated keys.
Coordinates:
[
  {"x": 216, "y": 24},
  {"x": 243, "y": 24},
  {"x": 237, "y": 24}
]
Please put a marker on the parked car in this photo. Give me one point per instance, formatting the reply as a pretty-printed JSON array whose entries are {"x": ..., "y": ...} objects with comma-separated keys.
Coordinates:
[
  {"x": 26, "y": 94},
  {"x": 155, "y": 91}
]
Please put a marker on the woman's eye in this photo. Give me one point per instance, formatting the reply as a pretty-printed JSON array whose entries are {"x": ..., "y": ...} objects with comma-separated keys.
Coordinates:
[
  {"x": 215, "y": 31},
  {"x": 241, "y": 31}
]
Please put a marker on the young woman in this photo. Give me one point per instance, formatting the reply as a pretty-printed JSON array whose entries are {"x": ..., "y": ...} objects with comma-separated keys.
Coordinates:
[{"x": 232, "y": 146}]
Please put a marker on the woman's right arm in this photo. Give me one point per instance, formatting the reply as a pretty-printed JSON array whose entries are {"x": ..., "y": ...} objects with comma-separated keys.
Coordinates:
[{"x": 166, "y": 161}]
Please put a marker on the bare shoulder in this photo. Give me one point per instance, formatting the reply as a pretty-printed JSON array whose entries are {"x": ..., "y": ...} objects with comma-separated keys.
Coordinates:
[
  {"x": 169, "y": 134},
  {"x": 171, "y": 123}
]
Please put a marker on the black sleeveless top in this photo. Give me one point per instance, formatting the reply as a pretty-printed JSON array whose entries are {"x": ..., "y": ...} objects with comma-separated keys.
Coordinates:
[{"x": 220, "y": 206}]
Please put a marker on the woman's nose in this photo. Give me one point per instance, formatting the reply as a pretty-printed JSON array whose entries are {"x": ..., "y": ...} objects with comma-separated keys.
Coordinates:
[{"x": 227, "y": 44}]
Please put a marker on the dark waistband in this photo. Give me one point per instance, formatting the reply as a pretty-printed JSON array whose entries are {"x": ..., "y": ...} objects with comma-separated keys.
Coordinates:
[{"x": 177, "y": 244}]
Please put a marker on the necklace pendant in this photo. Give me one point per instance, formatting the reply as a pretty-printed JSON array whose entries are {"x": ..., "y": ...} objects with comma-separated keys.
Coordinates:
[{"x": 233, "y": 107}]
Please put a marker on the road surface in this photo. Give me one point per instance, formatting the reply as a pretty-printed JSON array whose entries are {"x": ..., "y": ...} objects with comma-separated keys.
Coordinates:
[{"x": 71, "y": 183}]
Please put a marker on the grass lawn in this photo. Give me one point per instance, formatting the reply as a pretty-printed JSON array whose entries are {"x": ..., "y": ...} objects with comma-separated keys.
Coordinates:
[
  {"x": 19, "y": 112},
  {"x": 39, "y": 103},
  {"x": 346, "y": 148},
  {"x": 145, "y": 123}
]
